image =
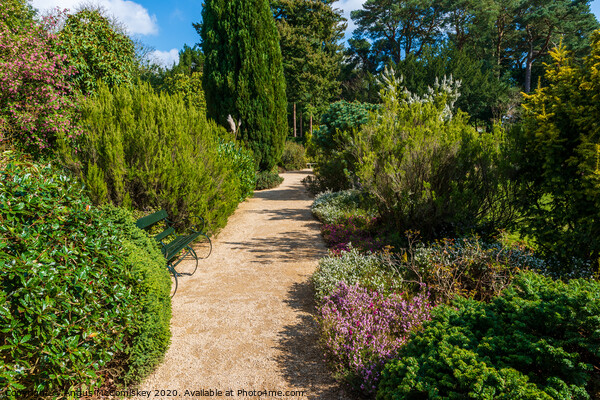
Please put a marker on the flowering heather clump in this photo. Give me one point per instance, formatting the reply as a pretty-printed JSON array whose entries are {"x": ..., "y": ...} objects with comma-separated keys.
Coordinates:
[
  {"x": 362, "y": 330},
  {"x": 36, "y": 100},
  {"x": 358, "y": 230},
  {"x": 329, "y": 207},
  {"x": 353, "y": 267}
]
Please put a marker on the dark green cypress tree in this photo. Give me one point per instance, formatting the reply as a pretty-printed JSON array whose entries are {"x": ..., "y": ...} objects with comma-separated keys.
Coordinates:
[{"x": 243, "y": 74}]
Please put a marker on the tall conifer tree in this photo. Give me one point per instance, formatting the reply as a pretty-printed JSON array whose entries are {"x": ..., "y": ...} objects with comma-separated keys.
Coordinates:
[{"x": 243, "y": 74}]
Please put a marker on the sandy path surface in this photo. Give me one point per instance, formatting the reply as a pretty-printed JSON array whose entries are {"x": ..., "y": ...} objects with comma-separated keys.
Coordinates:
[{"x": 243, "y": 321}]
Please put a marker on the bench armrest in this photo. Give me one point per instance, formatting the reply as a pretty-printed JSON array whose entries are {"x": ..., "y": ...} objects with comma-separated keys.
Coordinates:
[{"x": 199, "y": 224}]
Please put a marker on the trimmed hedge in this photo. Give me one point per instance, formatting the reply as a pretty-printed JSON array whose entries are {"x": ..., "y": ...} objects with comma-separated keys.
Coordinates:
[
  {"x": 144, "y": 260},
  {"x": 84, "y": 295},
  {"x": 539, "y": 340}
]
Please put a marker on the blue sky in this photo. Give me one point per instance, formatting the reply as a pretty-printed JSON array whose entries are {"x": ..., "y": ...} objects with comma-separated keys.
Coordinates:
[{"x": 167, "y": 25}]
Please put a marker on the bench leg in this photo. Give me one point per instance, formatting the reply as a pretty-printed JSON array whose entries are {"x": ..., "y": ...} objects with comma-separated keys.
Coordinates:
[
  {"x": 203, "y": 247},
  {"x": 174, "y": 283},
  {"x": 193, "y": 253}
]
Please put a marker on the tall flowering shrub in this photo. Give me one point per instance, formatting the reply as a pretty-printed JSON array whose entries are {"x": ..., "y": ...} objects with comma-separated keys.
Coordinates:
[
  {"x": 36, "y": 102},
  {"x": 362, "y": 330}
]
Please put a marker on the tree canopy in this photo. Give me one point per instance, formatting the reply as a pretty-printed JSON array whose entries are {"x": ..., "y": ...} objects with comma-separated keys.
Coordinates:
[
  {"x": 513, "y": 35},
  {"x": 98, "y": 49}
]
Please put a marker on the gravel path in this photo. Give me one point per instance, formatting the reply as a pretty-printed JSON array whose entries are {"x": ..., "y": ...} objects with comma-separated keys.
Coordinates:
[{"x": 243, "y": 323}]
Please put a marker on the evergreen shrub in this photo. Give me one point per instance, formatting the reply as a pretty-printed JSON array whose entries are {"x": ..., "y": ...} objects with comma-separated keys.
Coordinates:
[
  {"x": 341, "y": 118},
  {"x": 84, "y": 295},
  {"x": 336, "y": 165},
  {"x": 293, "y": 157},
  {"x": 539, "y": 340},
  {"x": 427, "y": 168},
  {"x": 98, "y": 50},
  {"x": 243, "y": 165},
  {"x": 154, "y": 151},
  {"x": 267, "y": 180},
  {"x": 557, "y": 159}
]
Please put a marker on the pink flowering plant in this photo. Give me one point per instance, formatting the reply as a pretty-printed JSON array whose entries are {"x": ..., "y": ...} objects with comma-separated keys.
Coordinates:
[
  {"x": 353, "y": 231},
  {"x": 361, "y": 330},
  {"x": 36, "y": 99}
]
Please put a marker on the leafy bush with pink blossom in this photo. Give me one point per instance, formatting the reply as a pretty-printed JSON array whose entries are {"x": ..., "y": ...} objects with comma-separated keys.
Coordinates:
[
  {"x": 361, "y": 330},
  {"x": 36, "y": 102}
]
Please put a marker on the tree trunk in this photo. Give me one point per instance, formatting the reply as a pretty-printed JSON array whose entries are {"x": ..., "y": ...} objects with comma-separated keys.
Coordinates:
[
  {"x": 294, "y": 119},
  {"x": 310, "y": 125},
  {"x": 528, "y": 69},
  {"x": 301, "y": 124}
]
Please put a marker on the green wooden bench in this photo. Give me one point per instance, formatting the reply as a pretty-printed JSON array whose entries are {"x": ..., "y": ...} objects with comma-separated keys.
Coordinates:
[{"x": 177, "y": 247}]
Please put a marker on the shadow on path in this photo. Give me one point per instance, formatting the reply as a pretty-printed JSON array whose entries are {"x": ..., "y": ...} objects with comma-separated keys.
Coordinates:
[
  {"x": 290, "y": 192},
  {"x": 291, "y": 246},
  {"x": 301, "y": 358}
]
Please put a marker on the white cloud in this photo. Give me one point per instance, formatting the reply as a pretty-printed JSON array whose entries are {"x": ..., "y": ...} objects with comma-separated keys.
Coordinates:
[
  {"x": 165, "y": 58},
  {"x": 346, "y": 6},
  {"x": 134, "y": 17}
]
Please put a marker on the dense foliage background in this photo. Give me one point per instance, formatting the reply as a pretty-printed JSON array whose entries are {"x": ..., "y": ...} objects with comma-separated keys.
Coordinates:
[
  {"x": 152, "y": 151},
  {"x": 456, "y": 160}
]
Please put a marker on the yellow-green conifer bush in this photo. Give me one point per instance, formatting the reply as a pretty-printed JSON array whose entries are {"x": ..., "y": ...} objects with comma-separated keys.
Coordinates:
[{"x": 556, "y": 157}]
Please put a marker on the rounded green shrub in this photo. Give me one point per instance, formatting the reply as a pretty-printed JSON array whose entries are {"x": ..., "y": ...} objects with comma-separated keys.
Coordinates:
[
  {"x": 336, "y": 166},
  {"x": 267, "y": 180},
  {"x": 341, "y": 117},
  {"x": 539, "y": 340},
  {"x": 84, "y": 295},
  {"x": 293, "y": 157},
  {"x": 144, "y": 260}
]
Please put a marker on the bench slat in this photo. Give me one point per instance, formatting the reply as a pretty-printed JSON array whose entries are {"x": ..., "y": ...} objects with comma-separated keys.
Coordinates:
[
  {"x": 170, "y": 230},
  {"x": 148, "y": 221},
  {"x": 170, "y": 250}
]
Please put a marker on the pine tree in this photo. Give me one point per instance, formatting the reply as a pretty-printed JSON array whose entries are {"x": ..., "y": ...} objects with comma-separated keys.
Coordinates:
[
  {"x": 310, "y": 32},
  {"x": 243, "y": 74}
]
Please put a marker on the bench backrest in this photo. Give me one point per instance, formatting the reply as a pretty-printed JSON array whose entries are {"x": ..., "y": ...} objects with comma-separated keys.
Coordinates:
[{"x": 149, "y": 220}]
